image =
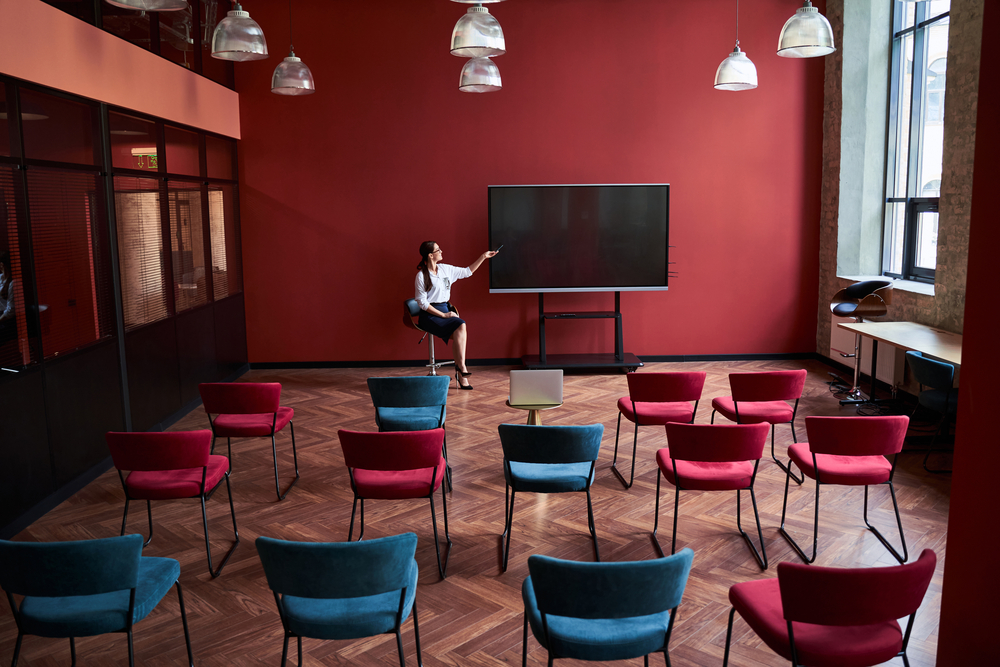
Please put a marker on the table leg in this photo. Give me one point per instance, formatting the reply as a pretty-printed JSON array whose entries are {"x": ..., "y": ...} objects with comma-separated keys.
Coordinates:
[{"x": 534, "y": 417}]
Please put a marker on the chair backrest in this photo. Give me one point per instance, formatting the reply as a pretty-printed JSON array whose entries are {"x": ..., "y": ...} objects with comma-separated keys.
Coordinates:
[
  {"x": 857, "y": 436},
  {"x": 174, "y": 450},
  {"x": 853, "y": 596},
  {"x": 57, "y": 569},
  {"x": 392, "y": 450},
  {"x": 930, "y": 372},
  {"x": 665, "y": 387},
  {"x": 240, "y": 398},
  {"x": 550, "y": 444},
  {"x": 609, "y": 590},
  {"x": 717, "y": 443},
  {"x": 767, "y": 385},
  {"x": 411, "y": 309},
  {"x": 864, "y": 288},
  {"x": 337, "y": 570},
  {"x": 409, "y": 392}
]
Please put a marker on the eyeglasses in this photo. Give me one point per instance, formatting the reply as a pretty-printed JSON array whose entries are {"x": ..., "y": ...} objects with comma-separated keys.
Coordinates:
[{"x": 438, "y": 250}]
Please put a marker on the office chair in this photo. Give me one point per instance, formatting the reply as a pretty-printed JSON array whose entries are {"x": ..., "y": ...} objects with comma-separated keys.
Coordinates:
[
  {"x": 411, "y": 313},
  {"x": 939, "y": 395}
]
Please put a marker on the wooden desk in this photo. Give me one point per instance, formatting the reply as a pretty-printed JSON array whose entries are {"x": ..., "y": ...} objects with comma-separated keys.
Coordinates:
[
  {"x": 534, "y": 411},
  {"x": 933, "y": 342}
]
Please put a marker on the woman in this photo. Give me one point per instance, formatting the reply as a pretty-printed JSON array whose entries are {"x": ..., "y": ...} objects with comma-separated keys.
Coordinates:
[{"x": 433, "y": 290}]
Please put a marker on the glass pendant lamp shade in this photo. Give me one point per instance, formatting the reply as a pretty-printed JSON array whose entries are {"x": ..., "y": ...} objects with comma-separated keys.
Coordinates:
[
  {"x": 480, "y": 75},
  {"x": 806, "y": 35},
  {"x": 238, "y": 37},
  {"x": 150, "y": 5},
  {"x": 736, "y": 72},
  {"x": 292, "y": 77},
  {"x": 477, "y": 35}
]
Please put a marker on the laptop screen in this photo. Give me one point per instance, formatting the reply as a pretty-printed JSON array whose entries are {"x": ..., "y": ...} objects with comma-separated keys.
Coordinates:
[{"x": 541, "y": 387}]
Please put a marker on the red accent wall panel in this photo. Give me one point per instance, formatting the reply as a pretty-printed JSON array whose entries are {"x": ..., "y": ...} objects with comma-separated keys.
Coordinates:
[
  {"x": 338, "y": 189},
  {"x": 969, "y": 595}
]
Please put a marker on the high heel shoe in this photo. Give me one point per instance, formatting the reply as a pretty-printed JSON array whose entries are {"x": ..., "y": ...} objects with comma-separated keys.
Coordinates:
[
  {"x": 466, "y": 373},
  {"x": 458, "y": 379}
]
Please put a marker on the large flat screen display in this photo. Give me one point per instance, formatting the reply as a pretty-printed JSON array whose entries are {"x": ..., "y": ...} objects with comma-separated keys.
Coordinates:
[{"x": 579, "y": 238}]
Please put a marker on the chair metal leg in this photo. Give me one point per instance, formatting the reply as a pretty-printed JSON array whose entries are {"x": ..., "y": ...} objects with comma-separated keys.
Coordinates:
[
  {"x": 787, "y": 468},
  {"x": 645, "y": 660},
  {"x": 350, "y": 531},
  {"x": 284, "y": 650},
  {"x": 295, "y": 459},
  {"x": 944, "y": 428},
  {"x": 17, "y": 649},
  {"x": 447, "y": 466},
  {"x": 184, "y": 622},
  {"x": 524, "y": 642},
  {"x": 437, "y": 546},
  {"x": 229, "y": 449},
  {"x": 614, "y": 468},
  {"x": 399, "y": 648},
  {"x": 656, "y": 515},
  {"x": 299, "y": 638},
  {"x": 788, "y": 538},
  {"x": 712, "y": 420},
  {"x": 902, "y": 558},
  {"x": 208, "y": 547},
  {"x": 760, "y": 557},
  {"x": 729, "y": 637},
  {"x": 508, "y": 527},
  {"x": 72, "y": 651},
  {"x": 149, "y": 514},
  {"x": 593, "y": 529},
  {"x": 131, "y": 649},
  {"x": 416, "y": 635}
]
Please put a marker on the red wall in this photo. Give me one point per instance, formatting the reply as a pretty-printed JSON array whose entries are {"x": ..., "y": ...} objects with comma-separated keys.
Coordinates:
[
  {"x": 338, "y": 189},
  {"x": 971, "y": 588}
]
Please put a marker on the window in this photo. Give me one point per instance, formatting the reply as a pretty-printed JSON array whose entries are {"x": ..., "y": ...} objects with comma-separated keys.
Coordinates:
[
  {"x": 916, "y": 138},
  {"x": 140, "y": 251},
  {"x": 187, "y": 245},
  {"x": 227, "y": 266}
]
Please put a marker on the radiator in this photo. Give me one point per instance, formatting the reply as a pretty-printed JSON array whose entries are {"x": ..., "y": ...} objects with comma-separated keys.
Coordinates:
[{"x": 891, "y": 360}]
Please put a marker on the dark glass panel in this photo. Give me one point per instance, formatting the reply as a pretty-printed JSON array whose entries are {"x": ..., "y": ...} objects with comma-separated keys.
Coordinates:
[
  {"x": 177, "y": 36},
  {"x": 220, "y": 71},
  {"x": 18, "y": 333},
  {"x": 133, "y": 142},
  {"x": 183, "y": 150},
  {"x": 220, "y": 153},
  {"x": 81, "y": 9},
  {"x": 130, "y": 25},
  {"x": 57, "y": 129},
  {"x": 141, "y": 258},
  {"x": 5, "y": 124}
]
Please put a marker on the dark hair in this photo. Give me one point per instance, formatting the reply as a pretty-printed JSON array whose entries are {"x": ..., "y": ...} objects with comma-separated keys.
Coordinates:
[{"x": 426, "y": 248}]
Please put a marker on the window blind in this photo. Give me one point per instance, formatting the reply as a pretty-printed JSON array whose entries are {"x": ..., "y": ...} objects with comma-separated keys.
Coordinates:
[
  {"x": 15, "y": 349},
  {"x": 141, "y": 257},
  {"x": 227, "y": 265}
]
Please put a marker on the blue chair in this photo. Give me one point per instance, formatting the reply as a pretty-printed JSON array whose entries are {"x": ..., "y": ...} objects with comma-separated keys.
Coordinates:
[
  {"x": 85, "y": 588},
  {"x": 939, "y": 396},
  {"x": 603, "y": 611},
  {"x": 411, "y": 404},
  {"x": 343, "y": 590},
  {"x": 548, "y": 459}
]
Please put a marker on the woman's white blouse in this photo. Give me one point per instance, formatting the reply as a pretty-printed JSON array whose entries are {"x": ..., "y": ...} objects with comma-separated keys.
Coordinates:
[{"x": 440, "y": 290}]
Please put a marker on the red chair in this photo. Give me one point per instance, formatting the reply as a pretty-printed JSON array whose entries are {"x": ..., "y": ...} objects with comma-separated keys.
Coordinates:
[
  {"x": 849, "y": 451},
  {"x": 763, "y": 398},
  {"x": 249, "y": 410},
  {"x": 703, "y": 457},
  {"x": 655, "y": 399},
  {"x": 394, "y": 465},
  {"x": 165, "y": 466},
  {"x": 834, "y": 617}
]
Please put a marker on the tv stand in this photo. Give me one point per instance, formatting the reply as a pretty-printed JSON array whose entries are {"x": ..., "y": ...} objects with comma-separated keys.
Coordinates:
[{"x": 620, "y": 358}]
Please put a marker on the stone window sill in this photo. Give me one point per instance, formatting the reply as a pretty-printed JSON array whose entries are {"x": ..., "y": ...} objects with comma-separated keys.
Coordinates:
[{"x": 903, "y": 285}]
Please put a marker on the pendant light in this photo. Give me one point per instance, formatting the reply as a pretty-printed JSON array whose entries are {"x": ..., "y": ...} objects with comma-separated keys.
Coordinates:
[
  {"x": 736, "y": 72},
  {"x": 480, "y": 75},
  {"x": 292, "y": 76},
  {"x": 806, "y": 35},
  {"x": 238, "y": 37},
  {"x": 477, "y": 34},
  {"x": 150, "y": 5}
]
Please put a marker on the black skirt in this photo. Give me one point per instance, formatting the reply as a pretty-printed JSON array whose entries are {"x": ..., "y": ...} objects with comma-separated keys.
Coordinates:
[{"x": 442, "y": 327}]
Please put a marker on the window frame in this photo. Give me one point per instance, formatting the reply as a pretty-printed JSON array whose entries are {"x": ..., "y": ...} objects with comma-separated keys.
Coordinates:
[{"x": 913, "y": 201}]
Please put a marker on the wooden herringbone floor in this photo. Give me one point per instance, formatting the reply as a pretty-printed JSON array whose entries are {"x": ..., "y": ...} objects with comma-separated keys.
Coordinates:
[{"x": 474, "y": 616}]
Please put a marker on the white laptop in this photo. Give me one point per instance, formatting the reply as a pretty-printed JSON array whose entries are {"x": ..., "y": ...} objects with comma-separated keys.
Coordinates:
[{"x": 541, "y": 387}]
